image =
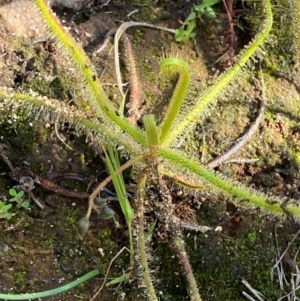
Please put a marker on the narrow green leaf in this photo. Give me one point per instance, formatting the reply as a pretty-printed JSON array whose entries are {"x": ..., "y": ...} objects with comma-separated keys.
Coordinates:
[
  {"x": 50, "y": 293},
  {"x": 150, "y": 230},
  {"x": 119, "y": 279},
  {"x": 174, "y": 65},
  {"x": 151, "y": 130},
  {"x": 120, "y": 190}
]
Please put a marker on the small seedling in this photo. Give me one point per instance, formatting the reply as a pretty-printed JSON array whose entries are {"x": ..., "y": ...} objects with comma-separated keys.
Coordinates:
[
  {"x": 186, "y": 31},
  {"x": 18, "y": 197},
  {"x": 205, "y": 9},
  {"x": 4, "y": 210}
]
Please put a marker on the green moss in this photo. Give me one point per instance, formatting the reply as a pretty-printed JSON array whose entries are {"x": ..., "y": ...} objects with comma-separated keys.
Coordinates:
[
  {"x": 296, "y": 155},
  {"x": 171, "y": 281},
  {"x": 57, "y": 88},
  {"x": 219, "y": 265},
  {"x": 19, "y": 278},
  {"x": 105, "y": 238},
  {"x": 72, "y": 216},
  {"x": 281, "y": 47}
]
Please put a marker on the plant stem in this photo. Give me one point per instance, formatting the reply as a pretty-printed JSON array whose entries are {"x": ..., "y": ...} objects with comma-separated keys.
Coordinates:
[
  {"x": 93, "y": 195},
  {"x": 141, "y": 239},
  {"x": 184, "y": 260},
  {"x": 295, "y": 9},
  {"x": 243, "y": 196},
  {"x": 76, "y": 52},
  {"x": 174, "y": 65},
  {"x": 151, "y": 130},
  {"x": 55, "y": 291},
  {"x": 98, "y": 99},
  {"x": 118, "y": 35},
  {"x": 113, "y": 164},
  {"x": 241, "y": 141},
  {"x": 61, "y": 112},
  {"x": 134, "y": 102}
]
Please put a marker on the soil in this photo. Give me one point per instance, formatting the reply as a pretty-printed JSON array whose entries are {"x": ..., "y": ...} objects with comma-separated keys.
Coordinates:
[{"x": 40, "y": 249}]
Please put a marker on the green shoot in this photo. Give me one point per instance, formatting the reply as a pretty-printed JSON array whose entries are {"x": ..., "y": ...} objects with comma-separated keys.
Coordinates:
[
  {"x": 117, "y": 280},
  {"x": 151, "y": 130},
  {"x": 4, "y": 210},
  {"x": 150, "y": 230},
  {"x": 52, "y": 292},
  {"x": 113, "y": 163},
  {"x": 187, "y": 30},
  {"x": 18, "y": 197},
  {"x": 205, "y": 9},
  {"x": 179, "y": 66}
]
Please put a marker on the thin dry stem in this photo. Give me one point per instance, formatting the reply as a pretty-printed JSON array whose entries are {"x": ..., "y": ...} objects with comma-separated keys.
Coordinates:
[
  {"x": 179, "y": 180},
  {"x": 97, "y": 190},
  {"x": 245, "y": 138},
  {"x": 107, "y": 271},
  {"x": 118, "y": 34},
  {"x": 257, "y": 294},
  {"x": 231, "y": 33}
]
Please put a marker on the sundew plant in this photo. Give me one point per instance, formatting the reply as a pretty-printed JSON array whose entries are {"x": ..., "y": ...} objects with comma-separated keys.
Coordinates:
[{"x": 151, "y": 148}]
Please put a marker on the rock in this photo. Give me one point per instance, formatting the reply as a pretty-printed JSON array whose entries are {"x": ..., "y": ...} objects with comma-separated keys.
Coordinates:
[
  {"x": 73, "y": 4},
  {"x": 22, "y": 19}
]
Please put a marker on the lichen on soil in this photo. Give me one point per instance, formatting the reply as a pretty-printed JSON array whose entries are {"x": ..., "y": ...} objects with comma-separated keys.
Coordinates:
[{"x": 245, "y": 249}]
